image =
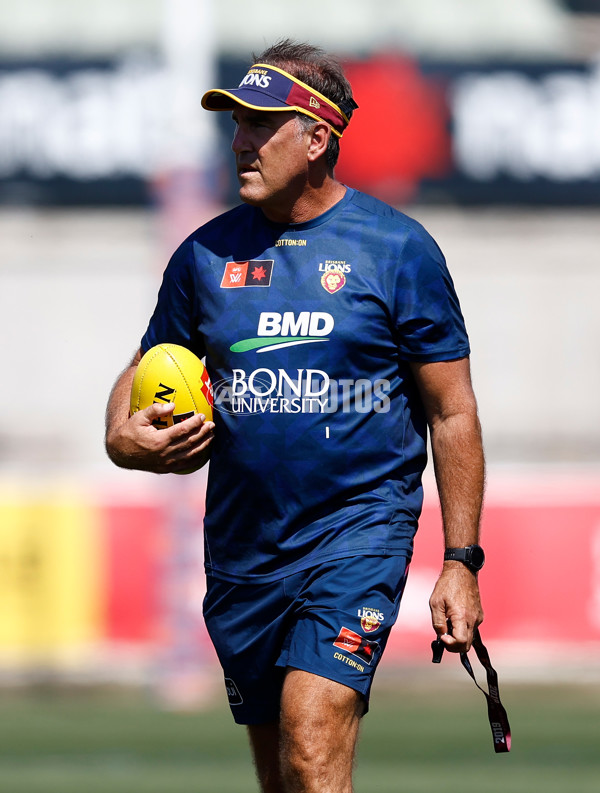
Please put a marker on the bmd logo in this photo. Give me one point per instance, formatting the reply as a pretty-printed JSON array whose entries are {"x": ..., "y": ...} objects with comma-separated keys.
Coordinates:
[
  {"x": 287, "y": 330},
  {"x": 308, "y": 323}
]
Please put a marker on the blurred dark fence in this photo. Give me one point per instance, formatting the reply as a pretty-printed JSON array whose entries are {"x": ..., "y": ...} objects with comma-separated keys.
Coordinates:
[{"x": 96, "y": 132}]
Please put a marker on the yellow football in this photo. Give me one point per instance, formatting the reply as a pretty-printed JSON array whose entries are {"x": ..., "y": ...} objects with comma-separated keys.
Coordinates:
[{"x": 171, "y": 373}]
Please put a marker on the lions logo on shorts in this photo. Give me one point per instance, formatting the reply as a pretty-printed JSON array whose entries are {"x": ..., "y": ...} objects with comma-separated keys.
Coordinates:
[{"x": 370, "y": 619}]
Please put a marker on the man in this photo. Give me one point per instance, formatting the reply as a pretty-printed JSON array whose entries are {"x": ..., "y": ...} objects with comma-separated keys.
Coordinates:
[{"x": 333, "y": 337}]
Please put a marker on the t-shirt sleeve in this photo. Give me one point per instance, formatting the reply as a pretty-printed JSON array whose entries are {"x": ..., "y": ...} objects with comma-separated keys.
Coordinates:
[
  {"x": 428, "y": 319},
  {"x": 175, "y": 318}
]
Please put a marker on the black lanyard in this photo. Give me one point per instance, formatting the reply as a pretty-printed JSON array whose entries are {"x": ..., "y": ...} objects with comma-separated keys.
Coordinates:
[{"x": 496, "y": 712}]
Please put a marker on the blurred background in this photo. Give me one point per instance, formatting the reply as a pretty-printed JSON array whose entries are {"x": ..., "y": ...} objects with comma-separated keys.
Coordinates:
[{"x": 482, "y": 120}]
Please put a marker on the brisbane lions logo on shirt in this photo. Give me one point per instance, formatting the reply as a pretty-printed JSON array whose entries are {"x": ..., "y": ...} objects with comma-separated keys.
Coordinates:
[{"x": 333, "y": 281}]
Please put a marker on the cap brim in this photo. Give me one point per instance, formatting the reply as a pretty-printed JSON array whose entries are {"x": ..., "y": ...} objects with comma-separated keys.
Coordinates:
[{"x": 221, "y": 99}]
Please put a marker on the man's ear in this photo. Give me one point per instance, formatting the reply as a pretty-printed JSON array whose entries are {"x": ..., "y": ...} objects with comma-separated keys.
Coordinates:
[{"x": 319, "y": 138}]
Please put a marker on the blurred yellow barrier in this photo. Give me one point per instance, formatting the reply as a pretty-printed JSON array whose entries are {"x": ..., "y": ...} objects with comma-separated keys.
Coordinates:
[{"x": 51, "y": 574}]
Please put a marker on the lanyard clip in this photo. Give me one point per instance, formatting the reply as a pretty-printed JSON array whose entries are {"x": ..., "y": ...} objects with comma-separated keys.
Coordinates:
[{"x": 437, "y": 648}]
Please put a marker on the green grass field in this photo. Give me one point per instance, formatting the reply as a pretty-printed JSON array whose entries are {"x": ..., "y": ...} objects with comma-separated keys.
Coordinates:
[{"x": 413, "y": 740}]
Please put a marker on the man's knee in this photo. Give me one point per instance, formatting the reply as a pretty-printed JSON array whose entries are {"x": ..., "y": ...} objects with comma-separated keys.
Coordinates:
[{"x": 318, "y": 731}]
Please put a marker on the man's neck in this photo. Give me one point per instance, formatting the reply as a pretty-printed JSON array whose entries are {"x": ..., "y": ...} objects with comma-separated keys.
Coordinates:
[{"x": 312, "y": 202}]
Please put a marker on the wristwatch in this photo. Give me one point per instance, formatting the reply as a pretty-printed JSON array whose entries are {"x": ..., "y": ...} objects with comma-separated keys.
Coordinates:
[{"x": 472, "y": 556}]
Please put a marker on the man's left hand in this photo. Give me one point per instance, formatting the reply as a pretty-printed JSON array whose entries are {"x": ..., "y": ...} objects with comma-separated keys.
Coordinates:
[{"x": 456, "y": 601}]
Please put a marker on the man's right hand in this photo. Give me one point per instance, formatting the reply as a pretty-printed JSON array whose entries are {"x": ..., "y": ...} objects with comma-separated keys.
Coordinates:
[{"x": 137, "y": 444}]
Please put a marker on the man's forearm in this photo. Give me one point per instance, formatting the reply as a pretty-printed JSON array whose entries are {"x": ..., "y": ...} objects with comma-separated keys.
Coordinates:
[
  {"x": 460, "y": 474},
  {"x": 117, "y": 409},
  {"x": 451, "y": 410}
]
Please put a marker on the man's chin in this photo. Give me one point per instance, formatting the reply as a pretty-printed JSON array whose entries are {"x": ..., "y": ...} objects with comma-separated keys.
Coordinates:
[{"x": 249, "y": 196}]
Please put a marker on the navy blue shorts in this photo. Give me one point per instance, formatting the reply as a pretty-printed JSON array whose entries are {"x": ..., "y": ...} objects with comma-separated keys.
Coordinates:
[{"x": 332, "y": 620}]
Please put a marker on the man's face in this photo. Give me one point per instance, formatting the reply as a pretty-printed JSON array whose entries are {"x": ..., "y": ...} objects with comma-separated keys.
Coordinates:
[{"x": 271, "y": 158}]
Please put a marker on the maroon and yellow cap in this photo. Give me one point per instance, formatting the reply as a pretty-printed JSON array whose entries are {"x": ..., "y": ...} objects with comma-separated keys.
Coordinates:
[{"x": 269, "y": 88}]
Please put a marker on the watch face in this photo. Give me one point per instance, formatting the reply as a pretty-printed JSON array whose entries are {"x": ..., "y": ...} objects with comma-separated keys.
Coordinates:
[{"x": 477, "y": 557}]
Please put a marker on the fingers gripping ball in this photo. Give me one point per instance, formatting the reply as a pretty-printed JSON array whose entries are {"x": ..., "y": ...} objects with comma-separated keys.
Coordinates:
[{"x": 171, "y": 373}]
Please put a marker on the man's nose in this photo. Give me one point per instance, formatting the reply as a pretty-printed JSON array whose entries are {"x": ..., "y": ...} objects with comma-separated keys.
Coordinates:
[{"x": 240, "y": 141}]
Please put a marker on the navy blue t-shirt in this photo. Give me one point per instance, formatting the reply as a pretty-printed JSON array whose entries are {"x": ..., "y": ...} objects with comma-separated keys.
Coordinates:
[{"x": 309, "y": 330}]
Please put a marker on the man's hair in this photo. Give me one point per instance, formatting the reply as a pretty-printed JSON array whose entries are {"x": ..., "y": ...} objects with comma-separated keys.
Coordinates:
[{"x": 320, "y": 71}]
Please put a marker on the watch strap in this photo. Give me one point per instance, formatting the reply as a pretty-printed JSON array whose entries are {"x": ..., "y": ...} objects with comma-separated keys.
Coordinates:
[{"x": 455, "y": 554}]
